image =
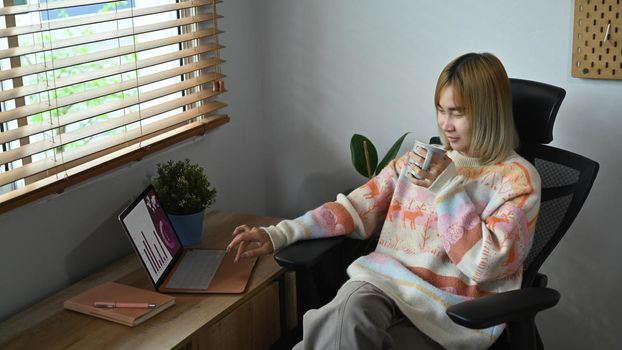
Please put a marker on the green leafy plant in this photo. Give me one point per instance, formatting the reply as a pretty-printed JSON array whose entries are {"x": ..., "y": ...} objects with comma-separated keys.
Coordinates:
[
  {"x": 183, "y": 187},
  {"x": 365, "y": 156}
]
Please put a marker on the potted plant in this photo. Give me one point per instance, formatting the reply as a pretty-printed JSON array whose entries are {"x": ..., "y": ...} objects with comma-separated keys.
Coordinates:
[
  {"x": 185, "y": 193},
  {"x": 365, "y": 156}
]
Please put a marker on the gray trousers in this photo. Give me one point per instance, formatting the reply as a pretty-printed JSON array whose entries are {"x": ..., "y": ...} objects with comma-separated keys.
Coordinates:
[{"x": 361, "y": 316}]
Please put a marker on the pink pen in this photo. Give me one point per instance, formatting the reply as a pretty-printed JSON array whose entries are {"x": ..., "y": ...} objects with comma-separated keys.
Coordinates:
[{"x": 126, "y": 305}]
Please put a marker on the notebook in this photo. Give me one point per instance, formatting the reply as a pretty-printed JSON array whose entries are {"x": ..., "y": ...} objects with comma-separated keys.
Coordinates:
[
  {"x": 172, "y": 268},
  {"x": 115, "y": 292}
]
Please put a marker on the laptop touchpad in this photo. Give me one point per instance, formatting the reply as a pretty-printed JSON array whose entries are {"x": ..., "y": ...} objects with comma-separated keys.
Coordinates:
[{"x": 196, "y": 269}]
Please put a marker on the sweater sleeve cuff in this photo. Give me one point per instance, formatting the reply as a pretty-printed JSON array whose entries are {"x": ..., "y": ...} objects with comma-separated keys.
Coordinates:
[
  {"x": 285, "y": 233},
  {"x": 278, "y": 239},
  {"x": 359, "y": 231},
  {"x": 444, "y": 178}
]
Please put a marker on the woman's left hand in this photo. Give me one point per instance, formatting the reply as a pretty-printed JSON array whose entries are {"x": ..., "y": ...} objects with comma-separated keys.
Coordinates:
[{"x": 438, "y": 164}]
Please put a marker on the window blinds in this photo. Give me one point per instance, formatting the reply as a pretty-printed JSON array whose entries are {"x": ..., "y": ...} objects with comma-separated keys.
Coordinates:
[{"x": 90, "y": 85}]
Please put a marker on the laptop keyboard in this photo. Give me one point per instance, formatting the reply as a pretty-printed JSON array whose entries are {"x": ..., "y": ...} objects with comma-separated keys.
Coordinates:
[{"x": 196, "y": 269}]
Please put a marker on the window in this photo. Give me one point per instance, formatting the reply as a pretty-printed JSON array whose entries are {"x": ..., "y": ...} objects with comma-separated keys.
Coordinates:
[{"x": 89, "y": 85}]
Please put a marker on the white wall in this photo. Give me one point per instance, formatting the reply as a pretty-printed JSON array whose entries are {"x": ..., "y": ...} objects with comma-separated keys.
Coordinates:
[
  {"x": 58, "y": 240},
  {"x": 332, "y": 68}
]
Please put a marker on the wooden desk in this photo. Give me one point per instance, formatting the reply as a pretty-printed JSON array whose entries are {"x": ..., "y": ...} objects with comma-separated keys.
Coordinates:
[{"x": 197, "y": 321}]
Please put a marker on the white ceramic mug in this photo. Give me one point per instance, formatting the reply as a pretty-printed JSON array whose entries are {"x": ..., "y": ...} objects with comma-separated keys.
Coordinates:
[{"x": 431, "y": 151}]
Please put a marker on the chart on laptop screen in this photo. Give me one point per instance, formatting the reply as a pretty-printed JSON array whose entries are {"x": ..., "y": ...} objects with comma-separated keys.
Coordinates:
[{"x": 152, "y": 235}]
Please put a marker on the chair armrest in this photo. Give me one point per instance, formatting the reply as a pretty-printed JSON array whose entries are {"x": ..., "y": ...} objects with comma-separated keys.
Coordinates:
[
  {"x": 304, "y": 254},
  {"x": 505, "y": 307},
  {"x": 540, "y": 280}
]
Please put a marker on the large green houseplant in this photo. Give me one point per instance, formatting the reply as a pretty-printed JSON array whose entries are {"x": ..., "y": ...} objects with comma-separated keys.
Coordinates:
[
  {"x": 365, "y": 156},
  {"x": 185, "y": 193}
]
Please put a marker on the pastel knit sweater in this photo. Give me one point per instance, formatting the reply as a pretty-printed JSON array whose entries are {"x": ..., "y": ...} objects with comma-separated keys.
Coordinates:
[{"x": 464, "y": 237}]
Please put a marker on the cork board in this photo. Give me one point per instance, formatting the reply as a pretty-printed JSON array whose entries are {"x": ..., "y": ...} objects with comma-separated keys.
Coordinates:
[{"x": 597, "y": 39}]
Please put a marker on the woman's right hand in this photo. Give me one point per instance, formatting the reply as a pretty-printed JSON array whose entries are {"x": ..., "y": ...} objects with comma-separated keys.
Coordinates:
[
  {"x": 426, "y": 177},
  {"x": 250, "y": 242}
]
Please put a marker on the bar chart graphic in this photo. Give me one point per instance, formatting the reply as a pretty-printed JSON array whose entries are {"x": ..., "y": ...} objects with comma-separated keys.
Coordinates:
[
  {"x": 156, "y": 254},
  {"x": 148, "y": 241}
]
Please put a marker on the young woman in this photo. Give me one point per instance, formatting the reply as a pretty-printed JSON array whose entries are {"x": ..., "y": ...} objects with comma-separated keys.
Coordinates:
[{"x": 460, "y": 232}]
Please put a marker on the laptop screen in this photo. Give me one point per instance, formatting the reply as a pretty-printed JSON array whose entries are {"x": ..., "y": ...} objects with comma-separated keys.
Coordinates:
[{"x": 152, "y": 234}]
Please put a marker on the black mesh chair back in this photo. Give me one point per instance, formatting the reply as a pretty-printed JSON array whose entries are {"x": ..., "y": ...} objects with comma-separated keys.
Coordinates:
[
  {"x": 566, "y": 177},
  {"x": 566, "y": 182}
]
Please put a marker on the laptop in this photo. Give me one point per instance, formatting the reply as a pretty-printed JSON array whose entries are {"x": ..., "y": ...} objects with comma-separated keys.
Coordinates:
[{"x": 171, "y": 267}]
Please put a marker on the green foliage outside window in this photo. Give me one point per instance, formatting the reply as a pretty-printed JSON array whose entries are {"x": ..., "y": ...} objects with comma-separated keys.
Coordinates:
[{"x": 73, "y": 71}]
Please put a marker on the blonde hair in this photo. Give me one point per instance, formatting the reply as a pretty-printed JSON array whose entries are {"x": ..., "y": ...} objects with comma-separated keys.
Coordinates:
[{"x": 481, "y": 85}]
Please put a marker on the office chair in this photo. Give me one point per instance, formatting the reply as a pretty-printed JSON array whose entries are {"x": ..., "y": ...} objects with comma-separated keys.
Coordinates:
[{"x": 566, "y": 182}]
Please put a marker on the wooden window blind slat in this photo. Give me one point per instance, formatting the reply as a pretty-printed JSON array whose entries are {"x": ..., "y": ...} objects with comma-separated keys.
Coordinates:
[
  {"x": 104, "y": 54},
  {"x": 56, "y": 5},
  {"x": 42, "y": 165},
  {"x": 106, "y": 72},
  {"x": 21, "y": 9},
  {"x": 130, "y": 118},
  {"x": 113, "y": 16},
  {"x": 74, "y": 117},
  {"x": 65, "y": 43},
  {"x": 100, "y": 92},
  {"x": 211, "y": 121}
]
